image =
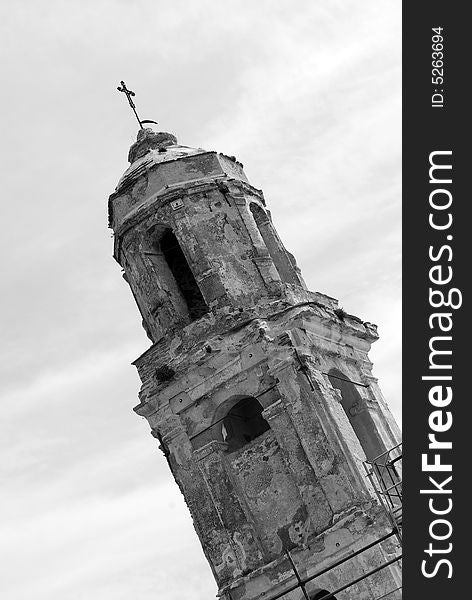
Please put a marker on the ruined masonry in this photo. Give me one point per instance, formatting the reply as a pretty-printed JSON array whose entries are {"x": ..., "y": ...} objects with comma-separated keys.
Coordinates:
[{"x": 259, "y": 391}]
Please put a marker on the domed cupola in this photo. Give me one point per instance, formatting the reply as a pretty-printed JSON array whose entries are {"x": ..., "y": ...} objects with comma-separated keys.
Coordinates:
[{"x": 153, "y": 148}]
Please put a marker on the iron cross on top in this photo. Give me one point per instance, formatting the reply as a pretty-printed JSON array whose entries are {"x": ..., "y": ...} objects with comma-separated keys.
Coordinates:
[{"x": 129, "y": 95}]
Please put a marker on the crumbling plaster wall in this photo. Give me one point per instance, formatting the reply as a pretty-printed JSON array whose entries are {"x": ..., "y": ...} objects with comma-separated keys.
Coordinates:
[
  {"x": 347, "y": 536},
  {"x": 336, "y": 348},
  {"x": 151, "y": 181},
  {"x": 310, "y": 452},
  {"x": 222, "y": 245}
]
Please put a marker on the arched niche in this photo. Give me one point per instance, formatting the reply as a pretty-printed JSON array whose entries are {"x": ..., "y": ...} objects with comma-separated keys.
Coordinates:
[
  {"x": 359, "y": 417},
  {"x": 274, "y": 246}
]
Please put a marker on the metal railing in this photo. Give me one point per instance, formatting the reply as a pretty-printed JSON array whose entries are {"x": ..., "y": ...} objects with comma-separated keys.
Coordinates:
[
  {"x": 385, "y": 474},
  {"x": 302, "y": 581}
]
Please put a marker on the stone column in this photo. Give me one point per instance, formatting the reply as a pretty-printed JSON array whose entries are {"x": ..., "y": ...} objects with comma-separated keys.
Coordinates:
[{"x": 261, "y": 256}]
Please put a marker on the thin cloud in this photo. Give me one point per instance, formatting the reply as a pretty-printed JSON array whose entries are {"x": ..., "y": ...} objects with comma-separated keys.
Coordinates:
[{"x": 309, "y": 100}]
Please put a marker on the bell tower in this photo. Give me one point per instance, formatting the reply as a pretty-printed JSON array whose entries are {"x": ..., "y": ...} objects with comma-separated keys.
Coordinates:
[{"x": 259, "y": 391}]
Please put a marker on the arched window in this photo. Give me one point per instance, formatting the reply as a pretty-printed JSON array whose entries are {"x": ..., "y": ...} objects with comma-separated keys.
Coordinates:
[
  {"x": 243, "y": 423},
  {"x": 183, "y": 275},
  {"x": 361, "y": 421},
  {"x": 273, "y": 244}
]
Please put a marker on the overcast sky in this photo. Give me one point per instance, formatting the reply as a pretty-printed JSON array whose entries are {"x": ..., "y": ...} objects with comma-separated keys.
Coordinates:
[{"x": 306, "y": 94}]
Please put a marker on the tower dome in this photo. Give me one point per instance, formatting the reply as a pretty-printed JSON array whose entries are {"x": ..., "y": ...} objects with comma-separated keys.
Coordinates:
[{"x": 153, "y": 148}]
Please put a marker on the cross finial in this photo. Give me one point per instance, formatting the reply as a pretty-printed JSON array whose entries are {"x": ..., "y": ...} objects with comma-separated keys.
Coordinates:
[{"x": 129, "y": 95}]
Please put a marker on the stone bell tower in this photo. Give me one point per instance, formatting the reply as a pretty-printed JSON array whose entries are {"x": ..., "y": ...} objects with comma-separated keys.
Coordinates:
[{"x": 259, "y": 391}]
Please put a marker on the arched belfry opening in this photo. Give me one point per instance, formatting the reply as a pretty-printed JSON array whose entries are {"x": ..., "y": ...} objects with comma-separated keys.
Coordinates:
[
  {"x": 180, "y": 269},
  {"x": 273, "y": 244},
  {"x": 358, "y": 416},
  {"x": 243, "y": 423}
]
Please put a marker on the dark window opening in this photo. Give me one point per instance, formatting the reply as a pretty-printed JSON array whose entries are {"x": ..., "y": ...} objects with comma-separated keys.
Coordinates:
[
  {"x": 243, "y": 423},
  {"x": 319, "y": 594},
  {"x": 183, "y": 275}
]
